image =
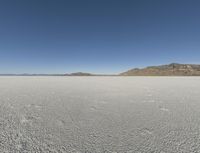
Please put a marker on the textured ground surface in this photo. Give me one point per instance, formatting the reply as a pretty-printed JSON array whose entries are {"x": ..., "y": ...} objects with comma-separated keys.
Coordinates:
[{"x": 100, "y": 114}]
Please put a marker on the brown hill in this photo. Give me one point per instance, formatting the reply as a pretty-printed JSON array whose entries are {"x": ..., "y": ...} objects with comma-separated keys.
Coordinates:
[
  {"x": 173, "y": 69},
  {"x": 81, "y": 74}
]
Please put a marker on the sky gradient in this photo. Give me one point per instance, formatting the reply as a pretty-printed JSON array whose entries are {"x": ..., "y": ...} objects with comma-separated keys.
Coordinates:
[{"x": 98, "y": 36}]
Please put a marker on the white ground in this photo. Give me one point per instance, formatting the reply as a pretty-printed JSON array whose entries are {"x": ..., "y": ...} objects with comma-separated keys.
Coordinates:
[{"x": 100, "y": 114}]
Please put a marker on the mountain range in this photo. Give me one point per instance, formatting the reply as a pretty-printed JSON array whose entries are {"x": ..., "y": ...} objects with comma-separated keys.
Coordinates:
[{"x": 173, "y": 69}]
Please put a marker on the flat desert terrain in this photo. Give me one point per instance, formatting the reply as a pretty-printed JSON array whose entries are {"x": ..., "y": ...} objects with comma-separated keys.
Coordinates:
[{"x": 100, "y": 114}]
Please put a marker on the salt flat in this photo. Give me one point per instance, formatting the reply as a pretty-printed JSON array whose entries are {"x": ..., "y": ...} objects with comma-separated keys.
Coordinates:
[{"x": 100, "y": 114}]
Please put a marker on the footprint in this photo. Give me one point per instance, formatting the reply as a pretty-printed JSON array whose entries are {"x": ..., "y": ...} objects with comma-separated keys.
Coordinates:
[
  {"x": 38, "y": 107},
  {"x": 131, "y": 151},
  {"x": 75, "y": 151},
  {"x": 10, "y": 106},
  {"x": 149, "y": 101},
  {"x": 94, "y": 108},
  {"x": 164, "y": 109},
  {"x": 102, "y": 102},
  {"x": 60, "y": 123},
  {"x": 146, "y": 131},
  {"x": 24, "y": 120},
  {"x": 28, "y": 119},
  {"x": 18, "y": 146},
  {"x": 149, "y": 95}
]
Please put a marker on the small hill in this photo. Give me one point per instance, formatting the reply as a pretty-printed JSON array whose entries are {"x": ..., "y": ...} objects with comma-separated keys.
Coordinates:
[
  {"x": 80, "y": 74},
  {"x": 173, "y": 69}
]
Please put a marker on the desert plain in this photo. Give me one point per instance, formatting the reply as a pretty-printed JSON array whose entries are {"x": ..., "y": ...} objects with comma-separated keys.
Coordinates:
[{"x": 99, "y": 114}]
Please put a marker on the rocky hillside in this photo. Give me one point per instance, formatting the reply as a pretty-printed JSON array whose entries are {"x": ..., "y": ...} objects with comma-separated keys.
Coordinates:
[{"x": 173, "y": 69}]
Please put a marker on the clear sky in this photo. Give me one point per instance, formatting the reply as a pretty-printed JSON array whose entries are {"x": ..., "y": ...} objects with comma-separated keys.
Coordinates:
[{"x": 99, "y": 36}]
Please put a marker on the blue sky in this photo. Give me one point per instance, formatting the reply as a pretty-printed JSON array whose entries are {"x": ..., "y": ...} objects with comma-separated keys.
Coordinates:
[{"x": 99, "y": 36}]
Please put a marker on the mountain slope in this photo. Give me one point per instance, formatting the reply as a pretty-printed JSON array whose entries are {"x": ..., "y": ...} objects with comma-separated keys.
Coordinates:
[{"x": 173, "y": 69}]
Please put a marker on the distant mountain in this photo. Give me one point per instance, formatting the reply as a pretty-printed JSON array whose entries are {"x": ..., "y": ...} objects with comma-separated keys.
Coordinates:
[
  {"x": 173, "y": 69},
  {"x": 67, "y": 74},
  {"x": 27, "y": 74},
  {"x": 80, "y": 74}
]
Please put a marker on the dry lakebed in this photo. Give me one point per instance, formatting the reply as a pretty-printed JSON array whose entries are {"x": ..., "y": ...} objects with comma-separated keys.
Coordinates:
[{"x": 99, "y": 114}]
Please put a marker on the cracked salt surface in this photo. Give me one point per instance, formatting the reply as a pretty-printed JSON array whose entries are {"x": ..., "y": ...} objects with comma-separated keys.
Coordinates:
[{"x": 99, "y": 114}]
